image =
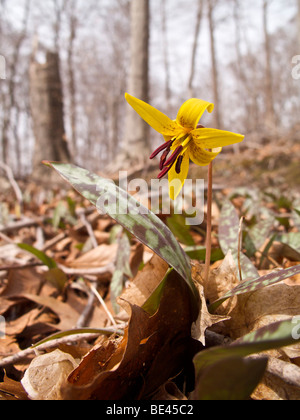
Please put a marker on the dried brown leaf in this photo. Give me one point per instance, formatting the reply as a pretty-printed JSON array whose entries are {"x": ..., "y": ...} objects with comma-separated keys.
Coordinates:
[
  {"x": 155, "y": 349},
  {"x": 144, "y": 284}
]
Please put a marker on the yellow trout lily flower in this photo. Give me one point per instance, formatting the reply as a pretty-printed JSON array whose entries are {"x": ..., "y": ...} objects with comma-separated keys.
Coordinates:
[{"x": 184, "y": 138}]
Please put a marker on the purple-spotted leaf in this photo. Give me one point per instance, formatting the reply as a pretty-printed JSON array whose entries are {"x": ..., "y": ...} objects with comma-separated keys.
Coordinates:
[
  {"x": 259, "y": 283},
  {"x": 122, "y": 270},
  {"x": 261, "y": 231},
  {"x": 230, "y": 379},
  {"x": 229, "y": 239},
  {"x": 271, "y": 337},
  {"x": 128, "y": 212}
]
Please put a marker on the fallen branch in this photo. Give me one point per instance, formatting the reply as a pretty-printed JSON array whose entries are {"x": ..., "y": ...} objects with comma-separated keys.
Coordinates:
[
  {"x": 22, "y": 224},
  {"x": 13, "y": 183},
  {"x": 25, "y": 354}
]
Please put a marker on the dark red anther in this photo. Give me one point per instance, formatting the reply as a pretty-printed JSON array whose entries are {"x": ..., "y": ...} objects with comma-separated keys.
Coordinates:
[
  {"x": 163, "y": 173},
  {"x": 174, "y": 156},
  {"x": 179, "y": 164},
  {"x": 163, "y": 159},
  {"x": 161, "y": 148}
]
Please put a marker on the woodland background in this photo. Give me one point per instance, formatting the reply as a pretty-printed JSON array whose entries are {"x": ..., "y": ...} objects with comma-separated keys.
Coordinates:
[{"x": 236, "y": 54}]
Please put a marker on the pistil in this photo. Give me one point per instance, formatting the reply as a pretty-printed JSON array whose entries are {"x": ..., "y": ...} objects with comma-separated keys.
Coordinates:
[{"x": 174, "y": 156}]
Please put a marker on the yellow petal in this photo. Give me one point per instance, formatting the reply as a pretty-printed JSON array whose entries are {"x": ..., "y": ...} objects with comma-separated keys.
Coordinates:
[
  {"x": 191, "y": 112},
  {"x": 176, "y": 181},
  {"x": 202, "y": 157},
  {"x": 156, "y": 119},
  {"x": 210, "y": 138}
]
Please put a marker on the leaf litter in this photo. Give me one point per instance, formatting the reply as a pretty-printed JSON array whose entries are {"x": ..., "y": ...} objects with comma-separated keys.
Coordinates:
[{"x": 156, "y": 356}]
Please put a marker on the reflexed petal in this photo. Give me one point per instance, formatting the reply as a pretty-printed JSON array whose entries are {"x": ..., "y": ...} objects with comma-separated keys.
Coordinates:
[
  {"x": 176, "y": 181},
  {"x": 191, "y": 112},
  {"x": 156, "y": 119},
  {"x": 210, "y": 138},
  {"x": 202, "y": 157}
]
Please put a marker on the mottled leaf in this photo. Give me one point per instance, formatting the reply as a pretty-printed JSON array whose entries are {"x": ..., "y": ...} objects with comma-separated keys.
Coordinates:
[
  {"x": 138, "y": 220},
  {"x": 229, "y": 239},
  {"x": 292, "y": 239},
  {"x": 296, "y": 218},
  {"x": 274, "y": 336},
  {"x": 199, "y": 253},
  {"x": 177, "y": 225},
  {"x": 259, "y": 283},
  {"x": 229, "y": 379},
  {"x": 122, "y": 269},
  {"x": 261, "y": 231}
]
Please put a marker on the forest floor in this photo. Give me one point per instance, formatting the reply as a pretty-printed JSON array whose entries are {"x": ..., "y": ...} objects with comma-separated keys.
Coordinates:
[{"x": 40, "y": 296}]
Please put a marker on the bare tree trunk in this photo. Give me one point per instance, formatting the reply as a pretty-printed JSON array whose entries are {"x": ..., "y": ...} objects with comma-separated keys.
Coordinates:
[
  {"x": 214, "y": 65},
  {"x": 46, "y": 99},
  {"x": 136, "y": 145},
  {"x": 269, "y": 100},
  {"x": 12, "y": 101},
  {"x": 298, "y": 23},
  {"x": 195, "y": 48},
  {"x": 165, "y": 52},
  {"x": 72, "y": 85}
]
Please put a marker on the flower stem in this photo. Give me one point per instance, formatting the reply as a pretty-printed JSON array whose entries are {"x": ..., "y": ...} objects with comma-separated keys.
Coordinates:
[{"x": 209, "y": 220}]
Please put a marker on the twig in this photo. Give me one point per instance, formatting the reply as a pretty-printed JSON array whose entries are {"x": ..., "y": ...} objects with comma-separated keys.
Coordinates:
[
  {"x": 20, "y": 267},
  {"x": 95, "y": 291},
  {"x": 89, "y": 229},
  {"x": 23, "y": 355},
  {"x": 288, "y": 372},
  {"x": 87, "y": 271},
  {"x": 22, "y": 224},
  {"x": 52, "y": 242},
  {"x": 82, "y": 321},
  {"x": 6, "y": 239},
  {"x": 15, "y": 186}
]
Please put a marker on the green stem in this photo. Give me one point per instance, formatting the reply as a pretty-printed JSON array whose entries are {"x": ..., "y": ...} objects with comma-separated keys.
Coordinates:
[{"x": 209, "y": 220}]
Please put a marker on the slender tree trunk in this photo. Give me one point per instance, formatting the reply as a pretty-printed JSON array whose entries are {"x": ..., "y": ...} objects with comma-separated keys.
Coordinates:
[
  {"x": 46, "y": 99},
  {"x": 195, "y": 48},
  {"x": 12, "y": 101},
  {"x": 165, "y": 52},
  {"x": 298, "y": 18},
  {"x": 72, "y": 84},
  {"x": 269, "y": 100},
  {"x": 136, "y": 145},
  {"x": 214, "y": 64}
]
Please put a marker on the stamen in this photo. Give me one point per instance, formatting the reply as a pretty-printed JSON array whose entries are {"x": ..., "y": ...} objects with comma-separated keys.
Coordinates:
[
  {"x": 179, "y": 164},
  {"x": 161, "y": 148},
  {"x": 164, "y": 158},
  {"x": 174, "y": 156},
  {"x": 163, "y": 173}
]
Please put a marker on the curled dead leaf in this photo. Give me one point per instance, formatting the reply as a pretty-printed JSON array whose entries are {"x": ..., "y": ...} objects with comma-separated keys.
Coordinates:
[
  {"x": 46, "y": 375},
  {"x": 154, "y": 349},
  {"x": 205, "y": 319}
]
